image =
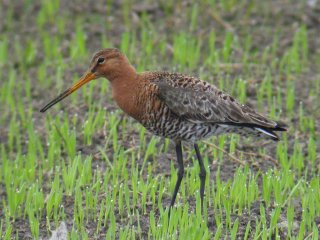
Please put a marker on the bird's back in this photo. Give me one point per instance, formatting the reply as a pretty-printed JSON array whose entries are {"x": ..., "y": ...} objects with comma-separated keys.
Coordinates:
[{"x": 186, "y": 108}]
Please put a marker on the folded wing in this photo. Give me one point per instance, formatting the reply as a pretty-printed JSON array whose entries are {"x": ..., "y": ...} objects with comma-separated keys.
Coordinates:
[{"x": 198, "y": 101}]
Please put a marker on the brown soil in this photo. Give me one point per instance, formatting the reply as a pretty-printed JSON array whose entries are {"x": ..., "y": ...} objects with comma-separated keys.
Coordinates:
[{"x": 288, "y": 16}]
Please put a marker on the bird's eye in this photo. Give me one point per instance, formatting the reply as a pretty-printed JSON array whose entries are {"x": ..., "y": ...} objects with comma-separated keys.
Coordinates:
[{"x": 100, "y": 60}]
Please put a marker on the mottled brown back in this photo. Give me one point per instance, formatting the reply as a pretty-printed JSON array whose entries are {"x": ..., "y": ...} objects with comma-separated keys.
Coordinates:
[{"x": 200, "y": 102}]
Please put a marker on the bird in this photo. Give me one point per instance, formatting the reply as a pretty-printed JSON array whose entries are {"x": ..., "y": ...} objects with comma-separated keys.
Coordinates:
[{"x": 175, "y": 106}]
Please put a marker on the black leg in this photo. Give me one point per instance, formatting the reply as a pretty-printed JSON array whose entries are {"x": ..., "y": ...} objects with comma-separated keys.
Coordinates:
[
  {"x": 180, "y": 173},
  {"x": 202, "y": 174}
]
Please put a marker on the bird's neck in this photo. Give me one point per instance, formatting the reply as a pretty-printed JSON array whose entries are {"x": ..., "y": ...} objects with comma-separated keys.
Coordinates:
[{"x": 125, "y": 89}]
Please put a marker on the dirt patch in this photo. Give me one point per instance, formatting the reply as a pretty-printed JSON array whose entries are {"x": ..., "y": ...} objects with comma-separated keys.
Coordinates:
[{"x": 289, "y": 16}]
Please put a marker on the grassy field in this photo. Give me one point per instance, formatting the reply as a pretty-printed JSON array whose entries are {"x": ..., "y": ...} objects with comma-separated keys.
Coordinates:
[{"x": 87, "y": 164}]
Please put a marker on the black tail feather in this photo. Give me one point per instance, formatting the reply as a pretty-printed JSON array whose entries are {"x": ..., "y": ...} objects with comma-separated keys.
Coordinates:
[
  {"x": 280, "y": 127},
  {"x": 267, "y": 131}
]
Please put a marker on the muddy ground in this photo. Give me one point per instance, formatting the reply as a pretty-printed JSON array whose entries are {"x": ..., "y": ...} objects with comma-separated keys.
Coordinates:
[{"x": 287, "y": 14}]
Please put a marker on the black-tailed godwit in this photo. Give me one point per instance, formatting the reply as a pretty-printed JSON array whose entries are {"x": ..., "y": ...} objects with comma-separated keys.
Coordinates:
[{"x": 174, "y": 106}]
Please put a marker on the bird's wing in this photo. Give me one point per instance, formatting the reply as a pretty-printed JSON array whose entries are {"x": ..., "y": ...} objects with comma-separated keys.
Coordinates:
[{"x": 198, "y": 101}]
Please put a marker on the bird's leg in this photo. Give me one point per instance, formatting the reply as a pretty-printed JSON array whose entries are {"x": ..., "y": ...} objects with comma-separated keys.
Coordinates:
[
  {"x": 202, "y": 174},
  {"x": 180, "y": 173}
]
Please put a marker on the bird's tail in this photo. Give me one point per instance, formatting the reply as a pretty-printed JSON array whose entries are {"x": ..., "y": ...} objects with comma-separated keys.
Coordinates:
[
  {"x": 270, "y": 132},
  {"x": 247, "y": 129}
]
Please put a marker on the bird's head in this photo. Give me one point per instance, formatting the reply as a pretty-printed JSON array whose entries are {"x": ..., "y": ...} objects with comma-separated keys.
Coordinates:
[{"x": 108, "y": 63}]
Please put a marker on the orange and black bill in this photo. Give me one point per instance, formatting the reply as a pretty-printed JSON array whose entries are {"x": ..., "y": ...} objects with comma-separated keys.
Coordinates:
[{"x": 85, "y": 79}]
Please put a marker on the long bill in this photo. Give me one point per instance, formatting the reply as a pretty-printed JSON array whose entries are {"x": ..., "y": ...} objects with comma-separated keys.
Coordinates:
[{"x": 85, "y": 79}]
